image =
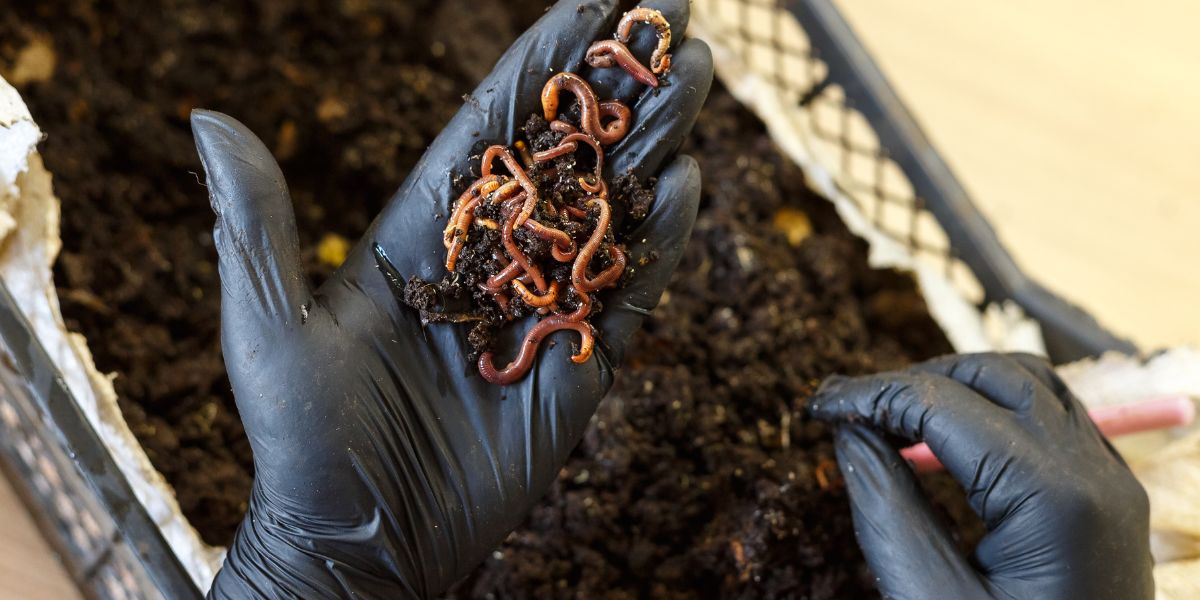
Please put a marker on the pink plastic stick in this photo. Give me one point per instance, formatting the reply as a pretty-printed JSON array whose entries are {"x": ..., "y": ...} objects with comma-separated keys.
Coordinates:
[{"x": 1148, "y": 415}]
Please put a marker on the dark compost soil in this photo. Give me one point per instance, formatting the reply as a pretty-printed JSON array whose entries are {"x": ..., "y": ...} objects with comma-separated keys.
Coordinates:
[{"x": 700, "y": 476}]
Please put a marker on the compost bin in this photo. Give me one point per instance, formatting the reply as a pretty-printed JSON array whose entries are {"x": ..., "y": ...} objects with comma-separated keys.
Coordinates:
[{"x": 819, "y": 188}]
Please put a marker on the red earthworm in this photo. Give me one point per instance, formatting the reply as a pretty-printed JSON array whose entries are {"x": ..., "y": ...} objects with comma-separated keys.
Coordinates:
[
  {"x": 579, "y": 269},
  {"x": 517, "y": 369},
  {"x": 533, "y": 299},
  {"x": 589, "y": 106},
  {"x": 592, "y": 185},
  {"x": 589, "y": 140},
  {"x": 464, "y": 215},
  {"x": 584, "y": 258},
  {"x": 602, "y": 189},
  {"x": 620, "y": 115},
  {"x": 606, "y": 54},
  {"x": 500, "y": 296},
  {"x": 584, "y": 309},
  {"x": 562, "y": 126},
  {"x": 613, "y": 273},
  {"x": 576, "y": 212},
  {"x": 511, "y": 271},
  {"x": 660, "y": 60},
  {"x": 503, "y": 192},
  {"x": 550, "y": 210},
  {"x": 456, "y": 214},
  {"x": 510, "y": 244},
  {"x": 562, "y": 149},
  {"x": 550, "y": 307},
  {"x": 569, "y": 144},
  {"x": 493, "y": 184},
  {"x": 562, "y": 247},
  {"x": 608, "y": 276},
  {"x": 531, "y": 195},
  {"x": 575, "y": 138},
  {"x": 460, "y": 232}
]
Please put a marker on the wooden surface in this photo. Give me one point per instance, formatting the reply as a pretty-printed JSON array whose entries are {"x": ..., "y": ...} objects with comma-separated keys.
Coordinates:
[
  {"x": 1076, "y": 124},
  {"x": 28, "y": 568}
]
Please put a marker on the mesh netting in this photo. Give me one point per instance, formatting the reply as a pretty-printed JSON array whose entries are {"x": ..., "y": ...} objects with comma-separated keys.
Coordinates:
[{"x": 767, "y": 60}]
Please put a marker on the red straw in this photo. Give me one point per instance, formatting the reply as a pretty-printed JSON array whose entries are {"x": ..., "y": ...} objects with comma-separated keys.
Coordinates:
[{"x": 1148, "y": 415}]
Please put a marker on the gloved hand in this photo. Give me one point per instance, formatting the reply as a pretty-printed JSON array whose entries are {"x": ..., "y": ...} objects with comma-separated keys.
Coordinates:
[
  {"x": 1065, "y": 516},
  {"x": 384, "y": 465}
]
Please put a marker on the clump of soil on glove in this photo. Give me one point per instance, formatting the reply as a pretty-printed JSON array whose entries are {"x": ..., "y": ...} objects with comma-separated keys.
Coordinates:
[
  {"x": 700, "y": 475},
  {"x": 499, "y": 269}
]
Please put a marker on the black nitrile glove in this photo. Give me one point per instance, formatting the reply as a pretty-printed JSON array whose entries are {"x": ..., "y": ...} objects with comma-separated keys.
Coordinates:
[
  {"x": 1065, "y": 516},
  {"x": 384, "y": 465}
]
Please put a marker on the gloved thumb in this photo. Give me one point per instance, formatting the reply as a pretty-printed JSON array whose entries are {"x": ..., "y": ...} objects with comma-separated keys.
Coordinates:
[
  {"x": 910, "y": 552},
  {"x": 655, "y": 249},
  {"x": 263, "y": 286}
]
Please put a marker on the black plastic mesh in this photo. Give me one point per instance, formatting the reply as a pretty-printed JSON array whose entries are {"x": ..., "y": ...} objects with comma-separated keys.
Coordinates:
[{"x": 766, "y": 57}]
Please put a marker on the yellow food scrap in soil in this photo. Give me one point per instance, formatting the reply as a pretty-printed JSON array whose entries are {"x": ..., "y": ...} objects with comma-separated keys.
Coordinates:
[
  {"x": 825, "y": 473},
  {"x": 34, "y": 63},
  {"x": 332, "y": 250},
  {"x": 794, "y": 224},
  {"x": 285, "y": 140},
  {"x": 332, "y": 109},
  {"x": 739, "y": 559}
]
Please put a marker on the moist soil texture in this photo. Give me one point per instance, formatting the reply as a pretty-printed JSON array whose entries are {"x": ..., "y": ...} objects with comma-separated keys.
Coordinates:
[
  {"x": 700, "y": 476},
  {"x": 469, "y": 294}
]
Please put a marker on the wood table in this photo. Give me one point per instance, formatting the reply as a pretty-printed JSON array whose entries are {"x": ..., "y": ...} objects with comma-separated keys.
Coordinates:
[{"x": 1076, "y": 126}]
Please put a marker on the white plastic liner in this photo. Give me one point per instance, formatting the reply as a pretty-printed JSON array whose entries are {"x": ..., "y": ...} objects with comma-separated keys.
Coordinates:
[{"x": 29, "y": 244}]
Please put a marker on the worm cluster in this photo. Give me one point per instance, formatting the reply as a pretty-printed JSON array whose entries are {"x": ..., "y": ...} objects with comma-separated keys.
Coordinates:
[{"x": 534, "y": 234}]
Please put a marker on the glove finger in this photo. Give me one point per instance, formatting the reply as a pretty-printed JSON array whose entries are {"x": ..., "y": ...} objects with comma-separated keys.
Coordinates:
[
  {"x": 492, "y": 114},
  {"x": 614, "y": 82},
  {"x": 1023, "y": 383},
  {"x": 1041, "y": 368},
  {"x": 911, "y": 405},
  {"x": 660, "y": 241},
  {"x": 263, "y": 285},
  {"x": 907, "y": 547},
  {"x": 997, "y": 377},
  {"x": 978, "y": 441},
  {"x": 662, "y": 118}
]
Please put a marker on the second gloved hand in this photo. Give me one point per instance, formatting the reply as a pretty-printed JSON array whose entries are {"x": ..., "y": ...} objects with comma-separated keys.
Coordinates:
[{"x": 1065, "y": 516}]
